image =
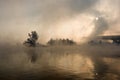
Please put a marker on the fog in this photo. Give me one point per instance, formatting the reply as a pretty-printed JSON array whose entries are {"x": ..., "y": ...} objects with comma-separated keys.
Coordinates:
[
  {"x": 57, "y": 18},
  {"x": 79, "y": 20}
]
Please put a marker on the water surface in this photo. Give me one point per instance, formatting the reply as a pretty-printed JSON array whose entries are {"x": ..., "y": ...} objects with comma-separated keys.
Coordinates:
[{"x": 58, "y": 63}]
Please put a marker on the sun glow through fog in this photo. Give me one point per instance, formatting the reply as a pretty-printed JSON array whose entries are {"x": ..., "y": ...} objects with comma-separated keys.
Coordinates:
[{"x": 76, "y": 28}]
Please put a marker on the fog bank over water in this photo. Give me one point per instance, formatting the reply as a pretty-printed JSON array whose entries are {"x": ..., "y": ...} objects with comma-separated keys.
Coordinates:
[{"x": 83, "y": 61}]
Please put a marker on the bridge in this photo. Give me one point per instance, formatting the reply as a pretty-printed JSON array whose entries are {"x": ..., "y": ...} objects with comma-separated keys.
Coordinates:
[{"x": 114, "y": 38}]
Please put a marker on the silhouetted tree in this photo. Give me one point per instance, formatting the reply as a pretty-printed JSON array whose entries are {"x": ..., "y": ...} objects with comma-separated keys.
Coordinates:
[
  {"x": 51, "y": 42},
  {"x": 61, "y": 42},
  {"x": 31, "y": 41}
]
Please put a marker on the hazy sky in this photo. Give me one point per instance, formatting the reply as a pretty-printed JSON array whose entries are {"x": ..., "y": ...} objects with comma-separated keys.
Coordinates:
[{"x": 72, "y": 19}]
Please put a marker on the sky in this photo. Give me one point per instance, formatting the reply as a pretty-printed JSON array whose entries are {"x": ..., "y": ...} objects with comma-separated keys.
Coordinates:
[{"x": 74, "y": 19}]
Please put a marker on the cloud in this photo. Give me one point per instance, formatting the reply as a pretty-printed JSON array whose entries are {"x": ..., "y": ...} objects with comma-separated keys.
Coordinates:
[{"x": 56, "y": 10}]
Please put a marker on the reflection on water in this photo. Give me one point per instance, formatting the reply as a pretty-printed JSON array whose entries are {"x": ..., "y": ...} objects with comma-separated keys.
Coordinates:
[{"x": 57, "y": 64}]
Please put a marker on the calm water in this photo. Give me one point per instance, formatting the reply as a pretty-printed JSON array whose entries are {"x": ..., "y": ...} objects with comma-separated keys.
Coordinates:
[{"x": 57, "y": 64}]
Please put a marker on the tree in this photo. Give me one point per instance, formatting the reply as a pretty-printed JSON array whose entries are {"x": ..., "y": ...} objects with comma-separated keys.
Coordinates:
[{"x": 31, "y": 41}]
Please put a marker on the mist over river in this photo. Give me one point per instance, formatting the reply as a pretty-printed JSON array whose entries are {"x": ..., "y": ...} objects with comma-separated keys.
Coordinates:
[{"x": 79, "y": 62}]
